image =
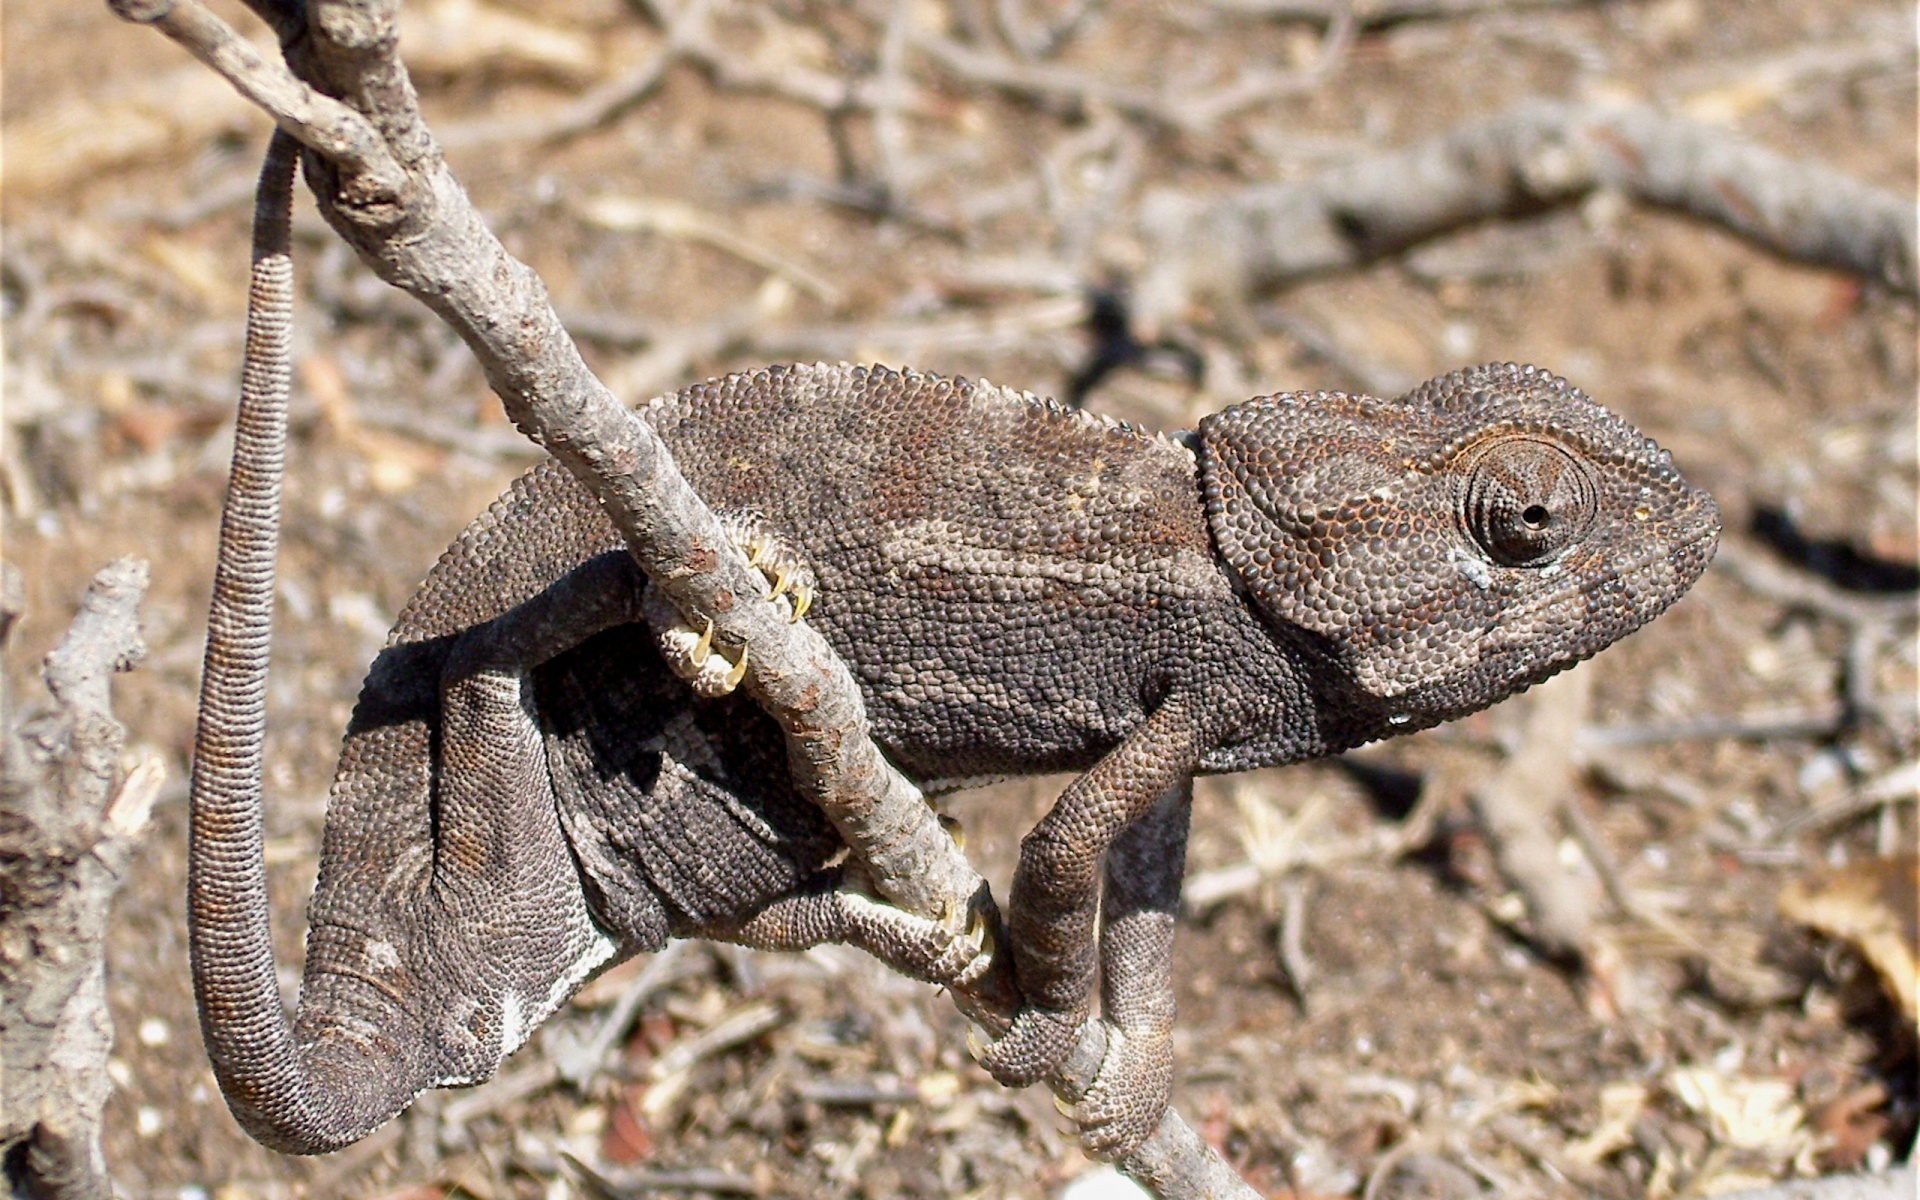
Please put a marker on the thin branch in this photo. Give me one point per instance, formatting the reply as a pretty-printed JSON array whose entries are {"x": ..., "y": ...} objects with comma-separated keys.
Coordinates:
[
  {"x": 1192, "y": 113},
  {"x": 1870, "y": 621},
  {"x": 601, "y": 104},
  {"x": 1369, "y": 14},
  {"x": 1894, "y": 1184},
  {"x": 1516, "y": 806},
  {"x": 320, "y": 122},
  {"x": 1782, "y": 725}
]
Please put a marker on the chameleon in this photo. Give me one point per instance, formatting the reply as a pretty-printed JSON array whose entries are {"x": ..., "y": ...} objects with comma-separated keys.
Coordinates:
[{"x": 545, "y": 773}]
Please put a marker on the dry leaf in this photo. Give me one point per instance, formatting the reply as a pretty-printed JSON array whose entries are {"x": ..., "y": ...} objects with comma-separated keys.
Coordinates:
[
  {"x": 1871, "y": 905},
  {"x": 196, "y": 268},
  {"x": 627, "y": 1139},
  {"x": 1748, "y": 1113},
  {"x": 1620, "y": 1106},
  {"x": 394, "y": 463},
  {"x": 456, "y": 36},
  {"x": 1851, "y": 1124}
]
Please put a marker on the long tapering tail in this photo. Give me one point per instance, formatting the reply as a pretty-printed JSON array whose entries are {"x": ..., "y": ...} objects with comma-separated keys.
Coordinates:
[{"x": 279, "y": 1094}]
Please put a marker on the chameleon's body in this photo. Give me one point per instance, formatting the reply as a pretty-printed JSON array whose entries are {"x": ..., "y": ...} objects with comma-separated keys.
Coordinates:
[{"x": 528, "y": 790}]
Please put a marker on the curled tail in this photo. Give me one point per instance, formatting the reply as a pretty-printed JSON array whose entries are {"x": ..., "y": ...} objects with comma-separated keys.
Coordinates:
[{"x": 285, "y": 1095}]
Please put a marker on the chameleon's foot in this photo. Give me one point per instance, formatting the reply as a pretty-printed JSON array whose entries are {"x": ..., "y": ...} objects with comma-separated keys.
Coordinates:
[
  {"x": 1129, "y": 1093},
  {"x": 915, "y": 946},
  {"x": 912, "y": 945},
  {"x": 789, "y": 579},
  {"x": 690, "y": 653},
  {"x": 1039, "y": 1040}
]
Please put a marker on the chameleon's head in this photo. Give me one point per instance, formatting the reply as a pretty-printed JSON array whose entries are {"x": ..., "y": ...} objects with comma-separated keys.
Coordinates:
[{"x": 1449, "y": 548}]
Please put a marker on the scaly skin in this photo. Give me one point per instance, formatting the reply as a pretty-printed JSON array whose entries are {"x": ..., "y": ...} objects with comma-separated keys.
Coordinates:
[{"x": 529, "y": 791}]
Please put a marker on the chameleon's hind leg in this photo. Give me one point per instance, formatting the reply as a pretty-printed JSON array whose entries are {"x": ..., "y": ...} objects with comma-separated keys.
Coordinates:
[
  {"x": 514, "y": 910},
  {"x": 690, "y": 652},
  {"x": 1137, "y": 913},
  {"x": 912, "y": 945}
]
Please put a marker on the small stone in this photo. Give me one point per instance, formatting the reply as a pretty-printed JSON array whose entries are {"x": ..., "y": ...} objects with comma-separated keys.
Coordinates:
[
  {"x": 1102, "y": 1183},
  {"x": 154, "y": 1032}
]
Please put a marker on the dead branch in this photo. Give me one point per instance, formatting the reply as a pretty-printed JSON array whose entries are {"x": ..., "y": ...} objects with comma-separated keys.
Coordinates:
[
  {"x": 380, "y": 181},
  {"x": 66, "y": 836},
  {"x": 1879, "y": 1185},
  {"x": 690, "y": 42},
  {"x": 1371, "y": 13},
  {"x": 1517, "y": 805},
  {"x": 1536, "y": 154},
  {"x": 1871, "y": 622},
  {"x": 1191, "y": 113}
]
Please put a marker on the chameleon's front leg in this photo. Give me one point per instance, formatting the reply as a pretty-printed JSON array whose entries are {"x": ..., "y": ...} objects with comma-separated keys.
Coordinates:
[
  {"x": 1056, "y": 891},
  {"x": 1137, "y": 916}
]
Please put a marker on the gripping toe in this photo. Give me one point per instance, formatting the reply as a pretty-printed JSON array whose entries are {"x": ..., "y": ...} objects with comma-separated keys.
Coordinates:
[
  {"x": 1129, "y": 1093},
  {"x": 1039, "y": 1040}
]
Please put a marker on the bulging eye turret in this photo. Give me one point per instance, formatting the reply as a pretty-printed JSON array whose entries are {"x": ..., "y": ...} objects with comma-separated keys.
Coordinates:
[{"x": 1527, "y": 500}]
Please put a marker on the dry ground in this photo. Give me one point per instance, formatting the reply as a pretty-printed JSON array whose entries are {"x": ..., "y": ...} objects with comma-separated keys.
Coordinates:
[{"x": 1414, "y": 1041}]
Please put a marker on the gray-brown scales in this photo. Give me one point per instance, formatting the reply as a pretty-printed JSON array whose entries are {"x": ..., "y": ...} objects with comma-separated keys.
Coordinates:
[{"x": 529, "y": 791}]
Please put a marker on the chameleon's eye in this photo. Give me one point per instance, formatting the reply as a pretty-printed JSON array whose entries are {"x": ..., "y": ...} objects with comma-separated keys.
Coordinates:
[{"x": 1526, "y": 501}]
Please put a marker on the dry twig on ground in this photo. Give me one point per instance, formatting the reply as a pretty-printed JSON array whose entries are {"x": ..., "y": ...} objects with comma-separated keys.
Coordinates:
[
  {"x": 1896, "y": 1184},
  {"x": 1517, "y": 806},
  {"x": 1538, "y": 153}
]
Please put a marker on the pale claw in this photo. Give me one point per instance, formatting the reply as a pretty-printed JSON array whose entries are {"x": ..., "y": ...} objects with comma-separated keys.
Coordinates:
[
  {"x": 739, "y": 671},
  {"x": 976, "y": 1047},
  {"x": 802, "y": 601},
  {"x": 690, "y": 655},
  {"x": 782, "y": 578},
  {"x": 981, "y": 933}
]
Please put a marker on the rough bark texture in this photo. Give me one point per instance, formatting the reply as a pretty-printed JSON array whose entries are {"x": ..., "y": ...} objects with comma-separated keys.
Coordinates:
[{"x": 65, "y": 836}]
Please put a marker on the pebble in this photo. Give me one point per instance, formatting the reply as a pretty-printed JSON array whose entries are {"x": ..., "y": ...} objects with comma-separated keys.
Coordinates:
[{"x": 1102, "y": 1183}]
